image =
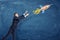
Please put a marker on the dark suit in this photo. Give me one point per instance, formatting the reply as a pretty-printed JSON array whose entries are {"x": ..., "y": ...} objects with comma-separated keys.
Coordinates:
[{"x": 13, "y": 26}]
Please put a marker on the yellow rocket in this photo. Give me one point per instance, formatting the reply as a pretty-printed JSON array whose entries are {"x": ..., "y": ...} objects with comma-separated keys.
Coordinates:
[{"x": 42, "y": 9}]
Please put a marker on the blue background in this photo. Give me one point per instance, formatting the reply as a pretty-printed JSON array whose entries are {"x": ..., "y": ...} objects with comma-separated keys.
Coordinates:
[{"x": 35, "y": 27}]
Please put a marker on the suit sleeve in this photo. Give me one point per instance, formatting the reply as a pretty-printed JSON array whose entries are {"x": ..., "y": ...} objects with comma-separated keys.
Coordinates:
[{"x": 21, "y": 17}]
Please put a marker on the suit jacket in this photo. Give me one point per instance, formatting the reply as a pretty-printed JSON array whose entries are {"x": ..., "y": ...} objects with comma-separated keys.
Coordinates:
[{"x": 15, "y": 22}]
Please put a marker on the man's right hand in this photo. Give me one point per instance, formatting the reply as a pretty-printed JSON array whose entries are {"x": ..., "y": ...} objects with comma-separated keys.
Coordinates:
[{"x": 26, "y": 14}]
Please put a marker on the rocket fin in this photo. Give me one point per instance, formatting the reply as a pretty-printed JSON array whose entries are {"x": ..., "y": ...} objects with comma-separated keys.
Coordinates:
[
  {"x": 41, "y": 6},
  {"x": 43, "y": 11}
]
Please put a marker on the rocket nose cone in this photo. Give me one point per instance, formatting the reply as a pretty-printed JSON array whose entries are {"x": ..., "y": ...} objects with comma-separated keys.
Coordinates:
[{"x": 50, "y": 5}]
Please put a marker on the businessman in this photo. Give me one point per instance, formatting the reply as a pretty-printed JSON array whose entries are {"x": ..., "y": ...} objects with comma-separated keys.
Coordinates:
[{"x": 16, "y": 20}]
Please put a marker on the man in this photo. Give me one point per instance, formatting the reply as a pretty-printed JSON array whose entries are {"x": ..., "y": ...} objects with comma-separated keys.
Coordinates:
[{"x": 13, "y": 27}]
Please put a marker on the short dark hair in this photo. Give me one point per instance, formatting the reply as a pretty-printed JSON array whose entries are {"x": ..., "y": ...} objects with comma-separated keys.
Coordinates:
[{"x": 15, "y": 13}]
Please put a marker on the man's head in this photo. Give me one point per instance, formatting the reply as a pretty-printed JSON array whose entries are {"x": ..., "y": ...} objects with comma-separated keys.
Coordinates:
[{"x": 16, "y": 14}]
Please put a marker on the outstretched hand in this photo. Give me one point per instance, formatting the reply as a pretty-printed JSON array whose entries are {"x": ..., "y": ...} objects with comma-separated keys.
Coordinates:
[{"x": 26, "y": 14}]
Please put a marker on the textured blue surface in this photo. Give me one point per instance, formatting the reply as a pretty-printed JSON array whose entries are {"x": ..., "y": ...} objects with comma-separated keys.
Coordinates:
[{"x": 35, "y": 27}]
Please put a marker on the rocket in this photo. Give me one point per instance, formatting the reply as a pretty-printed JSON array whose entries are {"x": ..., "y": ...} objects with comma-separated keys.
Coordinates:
[{"x": 41, "y": 9}]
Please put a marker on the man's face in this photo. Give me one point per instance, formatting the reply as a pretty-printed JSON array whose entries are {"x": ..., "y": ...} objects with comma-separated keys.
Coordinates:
[{"x": 16, "y": 15}]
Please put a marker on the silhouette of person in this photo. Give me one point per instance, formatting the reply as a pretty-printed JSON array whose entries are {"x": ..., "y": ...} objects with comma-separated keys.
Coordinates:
[{"x": 13, "y": 27}]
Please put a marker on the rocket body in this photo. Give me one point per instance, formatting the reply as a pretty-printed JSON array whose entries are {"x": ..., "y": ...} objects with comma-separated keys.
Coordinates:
[{"x": 45, "y": 7}]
